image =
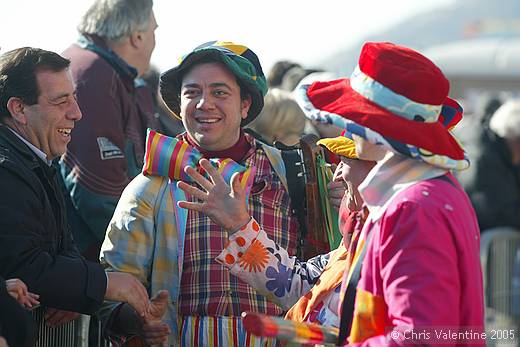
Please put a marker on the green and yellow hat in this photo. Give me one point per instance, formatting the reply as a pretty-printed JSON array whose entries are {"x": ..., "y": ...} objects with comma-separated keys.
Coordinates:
[{"x": 240, "y": 60}]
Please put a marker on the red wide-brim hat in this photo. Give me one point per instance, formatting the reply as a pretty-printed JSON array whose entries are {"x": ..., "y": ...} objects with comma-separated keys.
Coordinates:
[{"x": 394, "y": 98}]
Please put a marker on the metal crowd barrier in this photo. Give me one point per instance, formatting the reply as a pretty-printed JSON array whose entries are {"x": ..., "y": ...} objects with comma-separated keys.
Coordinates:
[
  {"x": 500, "y": 259},
  {"x": 72, "y": 334}
]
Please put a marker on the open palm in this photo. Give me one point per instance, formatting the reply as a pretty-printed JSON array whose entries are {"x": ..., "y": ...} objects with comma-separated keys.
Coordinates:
[
  {"x": 155, "y": 331},
  {"x": 224, "y": 204}
]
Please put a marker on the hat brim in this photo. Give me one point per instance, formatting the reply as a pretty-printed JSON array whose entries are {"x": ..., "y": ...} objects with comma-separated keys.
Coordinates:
[
  {"x": 340, "y": 145},
  {"x": 335, "y": 102},
  {"x": 171, "y": 81},
  {"x": 339, "y": 98}
]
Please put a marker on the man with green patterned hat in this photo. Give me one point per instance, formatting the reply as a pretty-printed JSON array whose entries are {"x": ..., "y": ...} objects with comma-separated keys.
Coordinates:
[{"x": 216, "y": 90}]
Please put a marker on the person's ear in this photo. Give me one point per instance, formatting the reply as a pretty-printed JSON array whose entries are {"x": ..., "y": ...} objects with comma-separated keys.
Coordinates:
[
  {"x": 245, "y": 104},
  {"x": 136, "y": 39},
  {"x": 17, "y": 109}
]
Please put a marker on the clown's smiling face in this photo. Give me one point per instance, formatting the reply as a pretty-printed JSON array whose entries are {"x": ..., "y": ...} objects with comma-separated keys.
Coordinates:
[{"x": 211, "y": 106}]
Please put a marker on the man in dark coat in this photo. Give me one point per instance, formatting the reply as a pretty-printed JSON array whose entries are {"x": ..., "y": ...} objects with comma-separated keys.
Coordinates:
[
  {"x": 38, "y": 110},
  {"x": 493, "y": 181}
]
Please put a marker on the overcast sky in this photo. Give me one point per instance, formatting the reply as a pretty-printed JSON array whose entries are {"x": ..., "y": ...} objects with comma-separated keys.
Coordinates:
[{"x": 300, "y": 30}]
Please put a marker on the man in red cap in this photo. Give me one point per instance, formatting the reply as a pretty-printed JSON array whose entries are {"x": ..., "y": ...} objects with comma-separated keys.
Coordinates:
[{"x": 421, "y": 280}]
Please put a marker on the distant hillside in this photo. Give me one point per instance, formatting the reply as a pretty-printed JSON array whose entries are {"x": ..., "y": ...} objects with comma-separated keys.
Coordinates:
[{"x": 464, "y": 19}]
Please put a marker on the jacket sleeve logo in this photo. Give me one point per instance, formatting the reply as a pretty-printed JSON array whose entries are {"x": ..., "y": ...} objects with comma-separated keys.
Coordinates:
[{"x": 108, "y": 150}]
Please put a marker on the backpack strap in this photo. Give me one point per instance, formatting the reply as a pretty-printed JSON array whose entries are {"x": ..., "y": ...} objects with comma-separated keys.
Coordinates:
[{"x": 287, "y": 165}]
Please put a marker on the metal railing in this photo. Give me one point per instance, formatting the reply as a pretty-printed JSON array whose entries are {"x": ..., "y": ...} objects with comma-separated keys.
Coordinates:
[
  {"x": 72, "y": 334},
  {"x": 500, "y": 259}
]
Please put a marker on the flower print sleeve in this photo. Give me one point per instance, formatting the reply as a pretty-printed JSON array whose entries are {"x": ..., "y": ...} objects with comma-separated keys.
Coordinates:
[{"x": 253, "y": 257}]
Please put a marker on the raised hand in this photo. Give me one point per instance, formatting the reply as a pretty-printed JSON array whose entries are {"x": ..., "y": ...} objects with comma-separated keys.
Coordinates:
[
  {"x": 18, "y": 290},
  {"x": 351, "y": 172},
  {"x": 225, "y": 205},
  {"x": 336, "y": 190},
  {"x": 124, "y": 287},
  {"x": 154, "y": 330}
]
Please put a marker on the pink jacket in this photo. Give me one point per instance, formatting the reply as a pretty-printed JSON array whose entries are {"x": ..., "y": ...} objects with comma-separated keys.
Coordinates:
[{"x": 421, "y": 280}]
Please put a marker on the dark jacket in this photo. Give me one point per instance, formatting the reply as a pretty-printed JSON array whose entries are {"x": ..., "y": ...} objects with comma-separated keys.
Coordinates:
[
  {"x": 36, "y": 245},
  {"x": 492, "y": 181},
  {"x": 107, "y": 146}
]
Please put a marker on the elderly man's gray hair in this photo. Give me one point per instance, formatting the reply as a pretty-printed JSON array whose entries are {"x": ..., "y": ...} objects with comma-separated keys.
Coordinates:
[
  {"x": 114, "y": 20},
  {"x": 505, "y": 122}
]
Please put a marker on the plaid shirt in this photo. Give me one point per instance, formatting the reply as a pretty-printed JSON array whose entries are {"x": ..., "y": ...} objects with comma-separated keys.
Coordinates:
[{"x": 142, "y": 239}]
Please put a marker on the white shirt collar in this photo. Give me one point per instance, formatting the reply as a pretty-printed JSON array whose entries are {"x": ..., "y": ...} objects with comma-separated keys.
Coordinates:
[{"x": 35, "y": 149}]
